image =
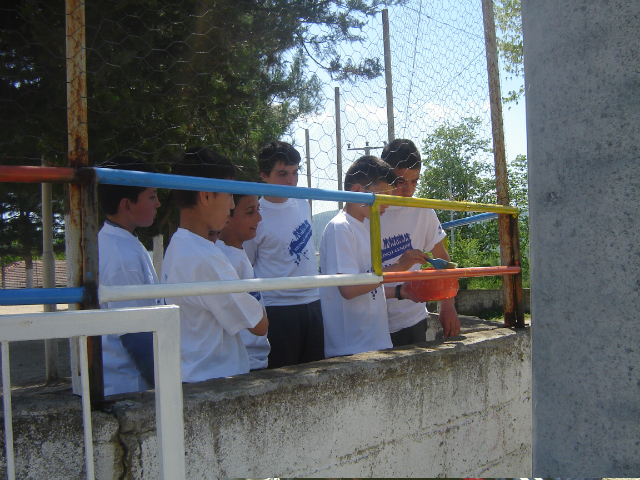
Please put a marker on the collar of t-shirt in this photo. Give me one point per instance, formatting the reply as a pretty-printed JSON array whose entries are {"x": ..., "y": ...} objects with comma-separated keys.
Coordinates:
[{"x": 112, "y": 224}]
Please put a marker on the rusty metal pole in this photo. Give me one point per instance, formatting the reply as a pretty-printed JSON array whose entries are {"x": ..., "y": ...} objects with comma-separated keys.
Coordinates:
[
  {"x": 338, "y": 142},
  {"x": 81, "y": 217},
  {"x": 387, "y": 75},
  {"x": 508, "y": 226}
]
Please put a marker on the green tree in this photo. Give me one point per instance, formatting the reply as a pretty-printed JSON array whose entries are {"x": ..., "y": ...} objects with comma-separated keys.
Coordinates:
[
  {"x": 164, "y": 76},
  {"x": 508, "y": 16},
  {"x": 454, "y": 151}
]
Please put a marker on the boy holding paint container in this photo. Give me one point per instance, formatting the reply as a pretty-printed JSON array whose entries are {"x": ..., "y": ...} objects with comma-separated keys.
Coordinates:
[
  {"x": 209, "y": 324},
  {"x": 355, "y": 316}
]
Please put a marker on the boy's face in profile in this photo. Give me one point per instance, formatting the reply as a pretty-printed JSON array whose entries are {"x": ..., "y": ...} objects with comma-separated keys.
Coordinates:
[
  {"x": 282, "y": 174},
  {"x": 245, "y": 219},
  {"x": 407, "y": 181},
  {"x": 218, "y": 206},
  {"x": 143, "y": 211}
]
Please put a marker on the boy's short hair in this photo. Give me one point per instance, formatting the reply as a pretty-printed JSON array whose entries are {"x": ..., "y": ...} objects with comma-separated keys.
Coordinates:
[
  {"x": 200, "y": 162},
  {"x": 275, "y": 152},
  {"x": 109, "y": 196},
  {"x": 368, "y": 170},
  {"x": 236, "y": 199},
  {"x": 402, "y": 153}
]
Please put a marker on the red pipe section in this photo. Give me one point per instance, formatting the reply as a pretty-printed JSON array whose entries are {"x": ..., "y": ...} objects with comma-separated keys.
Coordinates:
[
  {"x": 391, "y": 277},
  {"x": 23, "y": 174}
]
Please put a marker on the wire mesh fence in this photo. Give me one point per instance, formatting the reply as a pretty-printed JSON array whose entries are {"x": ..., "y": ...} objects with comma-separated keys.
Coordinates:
[{"x": 231, "y": 75}]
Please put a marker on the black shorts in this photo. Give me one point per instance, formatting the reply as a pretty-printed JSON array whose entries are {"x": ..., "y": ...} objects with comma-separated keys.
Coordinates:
[
  {"x": 411, "y": 335},
  {"x": 296, "y": 334}
]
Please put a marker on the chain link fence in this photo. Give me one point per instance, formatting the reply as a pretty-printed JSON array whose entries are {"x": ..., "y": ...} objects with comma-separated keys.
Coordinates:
[{"x": 231, "y": 75}]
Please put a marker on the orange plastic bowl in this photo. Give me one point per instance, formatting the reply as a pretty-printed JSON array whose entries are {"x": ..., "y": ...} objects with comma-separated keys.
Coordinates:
[{"x": 435, "y": 289}]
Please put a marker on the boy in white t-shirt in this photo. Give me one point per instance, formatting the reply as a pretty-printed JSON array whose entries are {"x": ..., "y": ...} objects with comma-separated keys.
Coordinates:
[
  {"x": 412, "y": 228},
  {"x": 241, "y": 227},
  {"x": 123, "y": 260},
  {"x": 355, "y": 316},
  {"x": 209, "y": 324},
  {"x": 283, "y": 247}
]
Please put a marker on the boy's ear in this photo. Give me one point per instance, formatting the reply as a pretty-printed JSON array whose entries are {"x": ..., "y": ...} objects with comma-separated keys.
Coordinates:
[
  {"x": 264, "y": 176},
  {"x": 358, "y": 188},
  {"x": 124, "y": 205}
]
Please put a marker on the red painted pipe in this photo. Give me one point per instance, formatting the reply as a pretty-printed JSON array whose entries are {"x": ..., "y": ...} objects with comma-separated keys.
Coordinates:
[
  {"x": 24, "y": 174},
  {"x": 448, "y": 273}
]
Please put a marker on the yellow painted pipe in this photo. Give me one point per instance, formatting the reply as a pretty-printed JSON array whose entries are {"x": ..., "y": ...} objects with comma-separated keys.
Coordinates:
[
  {"x": 376, "y": 242},
  {"x": 444, "y": 205}
]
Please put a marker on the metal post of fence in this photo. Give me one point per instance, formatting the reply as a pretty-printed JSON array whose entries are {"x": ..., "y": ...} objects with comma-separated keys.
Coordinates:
[
  {"x": 387, "y": 74},
  {"x": 48, "y": 277},
  {"x": 338, "y": 142},
  {"x": 306, "y": 143},
  {"x": 81, "y": 226},
  {"x": 509, "y": 250}
]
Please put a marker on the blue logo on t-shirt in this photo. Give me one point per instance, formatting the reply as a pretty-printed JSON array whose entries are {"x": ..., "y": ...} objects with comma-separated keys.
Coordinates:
[
  {"x": 255, "y": 295},
  {"x": 395, "y": 246},
  {"x": 297, "y": 247}
]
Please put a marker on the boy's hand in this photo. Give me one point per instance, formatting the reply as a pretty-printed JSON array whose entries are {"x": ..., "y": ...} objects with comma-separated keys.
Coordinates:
[
  {"x": 449, "y": 318},
  {"x": 409, "y": 258},
  {"x": 406, "y": 293}
]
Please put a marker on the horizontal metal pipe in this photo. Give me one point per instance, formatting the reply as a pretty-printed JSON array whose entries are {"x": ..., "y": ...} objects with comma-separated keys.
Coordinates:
[
  {"x": 42, "y": 296},
  {"x": 180, "y": 182},
  {"x": 483, "y": 217},
  {"x": 169, "y": 290},
  {"x": 449, "y": 273},
  {"x": 444, "y": 204},
  {"x": 25, "y": 174}
]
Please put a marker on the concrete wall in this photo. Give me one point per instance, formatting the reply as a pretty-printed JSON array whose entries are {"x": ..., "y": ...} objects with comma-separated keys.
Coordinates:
[
  {"x": 582, "y": 80},
  {"x": 476, "y": 302},
  {"x": 453, "y": 409}
]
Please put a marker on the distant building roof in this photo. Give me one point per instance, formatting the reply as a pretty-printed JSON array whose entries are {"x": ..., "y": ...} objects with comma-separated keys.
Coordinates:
[{"x": 15, "y": 275}]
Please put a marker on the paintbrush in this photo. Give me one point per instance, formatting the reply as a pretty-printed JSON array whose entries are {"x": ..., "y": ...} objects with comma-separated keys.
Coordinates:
[{"x": 441, "y": 264}]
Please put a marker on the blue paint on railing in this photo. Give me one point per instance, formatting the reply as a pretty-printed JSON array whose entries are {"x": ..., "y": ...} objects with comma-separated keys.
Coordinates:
[
  {"x": 42, "y": 296},
  {"x": 483, "y": 217},
  {"x": 180, "y": 182}
]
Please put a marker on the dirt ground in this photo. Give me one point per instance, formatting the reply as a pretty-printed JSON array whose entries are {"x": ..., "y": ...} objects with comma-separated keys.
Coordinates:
[{"x": 27, "y": 359}]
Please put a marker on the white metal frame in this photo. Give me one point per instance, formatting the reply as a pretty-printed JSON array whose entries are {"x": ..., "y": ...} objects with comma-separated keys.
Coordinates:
[
  {"x": 163, "y": 321},
  {"x": 169, "y": 290}
]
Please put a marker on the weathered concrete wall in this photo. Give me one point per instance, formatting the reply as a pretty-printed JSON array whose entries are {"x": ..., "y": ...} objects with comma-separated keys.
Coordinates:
[
  {"x": 582, "y": 81},
  {"x": 475, "y": 302},
  {"x": 459, "y": 408}
]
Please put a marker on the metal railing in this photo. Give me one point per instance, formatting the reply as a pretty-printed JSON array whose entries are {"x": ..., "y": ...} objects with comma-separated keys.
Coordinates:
[{"x": 163, "y": 321}]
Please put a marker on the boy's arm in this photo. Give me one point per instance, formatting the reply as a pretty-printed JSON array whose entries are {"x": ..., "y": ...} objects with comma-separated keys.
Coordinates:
[
  {"x": 261, "y": 328},
  {"x": 349, "y": 292},
  {"x": 448, "y": 316}
]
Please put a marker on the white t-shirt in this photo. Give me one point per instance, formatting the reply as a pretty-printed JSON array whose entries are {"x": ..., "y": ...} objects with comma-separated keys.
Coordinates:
[
  {"x": 360, "y": 324},
  {"x": 123, "y": 260},
  {"x": 258, "y": 347},
  {"x": 209, "y": 324},
  {"x": 403, "y": 228},
  {"x": 283, "y": 247}
]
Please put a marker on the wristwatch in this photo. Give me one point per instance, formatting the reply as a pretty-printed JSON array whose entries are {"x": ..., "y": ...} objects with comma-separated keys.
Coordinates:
[{"x": 398, "y": 296}]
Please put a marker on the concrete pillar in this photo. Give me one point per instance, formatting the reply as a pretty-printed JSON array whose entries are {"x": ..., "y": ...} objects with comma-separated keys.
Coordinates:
[{"x": 582, "y": 79}]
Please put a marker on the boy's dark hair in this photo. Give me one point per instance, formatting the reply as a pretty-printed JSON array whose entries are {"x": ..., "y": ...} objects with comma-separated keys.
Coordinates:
[
  {"x": 200, "y": 162},
  {"x": 401, "y": 153},
  {"x": 368, "y": 170},
  {"x": 275, "y": 152},
  {"x": 236, "y": 199},
  {"x": 109, "y": 196}
]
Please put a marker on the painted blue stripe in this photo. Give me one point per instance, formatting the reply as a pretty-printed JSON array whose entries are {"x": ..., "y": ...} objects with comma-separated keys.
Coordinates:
[
  {"x": 42, "y": 296},
  {"x": 179, "y": 182},
  {"x": 483, "y": 217}
]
